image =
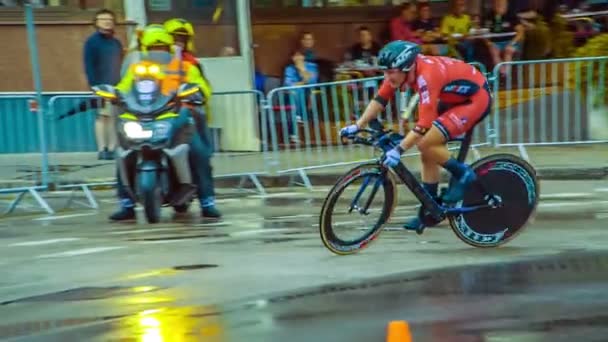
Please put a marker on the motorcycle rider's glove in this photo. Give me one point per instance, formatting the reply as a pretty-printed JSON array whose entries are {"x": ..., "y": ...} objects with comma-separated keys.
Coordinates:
[{"x": 393, "y": 157}]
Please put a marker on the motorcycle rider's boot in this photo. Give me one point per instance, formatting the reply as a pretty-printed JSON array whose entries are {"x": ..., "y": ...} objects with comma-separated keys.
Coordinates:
[
  {"x": 123, "y": 214},
  {"x": 211, "y": 212}
]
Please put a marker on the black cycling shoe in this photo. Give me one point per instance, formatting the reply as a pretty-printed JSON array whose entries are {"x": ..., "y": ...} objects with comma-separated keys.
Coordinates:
[
  {"x": 415, "y": 224},
  {"x": 124, "y": 214},
  {"x": 211, "y": 212}
]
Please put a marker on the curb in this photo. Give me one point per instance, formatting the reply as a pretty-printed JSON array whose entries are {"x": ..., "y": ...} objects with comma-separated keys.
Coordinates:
[{"x": 329, "y": 179}]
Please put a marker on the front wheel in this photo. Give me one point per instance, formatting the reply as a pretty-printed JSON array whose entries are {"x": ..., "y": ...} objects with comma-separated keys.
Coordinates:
[
  {"x": 510, "y": 184},
  {"x": 365, "y": 192},
  {"x": 151, "y": 195}
]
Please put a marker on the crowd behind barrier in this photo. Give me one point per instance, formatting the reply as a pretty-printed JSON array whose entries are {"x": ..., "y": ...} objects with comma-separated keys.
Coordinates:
[{"x": 295, "y": 129}]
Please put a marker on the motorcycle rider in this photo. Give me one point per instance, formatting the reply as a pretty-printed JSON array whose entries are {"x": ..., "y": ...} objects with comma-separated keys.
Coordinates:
[
  {"x": 156, "y": 38},
  {"x": 183, "y": 36},
  {"x": 459, "y": 88}
]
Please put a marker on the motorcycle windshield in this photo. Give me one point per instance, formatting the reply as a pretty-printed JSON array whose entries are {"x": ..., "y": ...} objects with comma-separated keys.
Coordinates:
[{"x": 149, "y": 69}]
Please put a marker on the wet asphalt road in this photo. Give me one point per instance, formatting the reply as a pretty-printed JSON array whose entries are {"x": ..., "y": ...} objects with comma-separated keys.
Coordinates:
[{"x": 75, "y": 277}]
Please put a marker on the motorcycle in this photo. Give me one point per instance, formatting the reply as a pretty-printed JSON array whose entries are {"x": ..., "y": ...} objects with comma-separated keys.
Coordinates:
[{"x": 153, "y": 153}]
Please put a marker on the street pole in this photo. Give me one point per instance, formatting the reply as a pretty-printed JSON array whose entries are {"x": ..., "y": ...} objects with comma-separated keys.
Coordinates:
[{"x": 37, "y": 109}]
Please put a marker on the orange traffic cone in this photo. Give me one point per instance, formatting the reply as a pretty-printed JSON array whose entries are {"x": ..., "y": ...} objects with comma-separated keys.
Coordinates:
[{"x": 398, "y": 331}]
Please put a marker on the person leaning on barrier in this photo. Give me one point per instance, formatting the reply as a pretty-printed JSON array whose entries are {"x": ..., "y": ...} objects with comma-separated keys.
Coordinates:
[
  {"x": 156, "y": 38},
  {"x": 102, "y": 55}
]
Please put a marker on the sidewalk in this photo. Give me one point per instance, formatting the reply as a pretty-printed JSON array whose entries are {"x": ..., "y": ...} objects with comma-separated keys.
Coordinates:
[{"x": 276, "y": 169}]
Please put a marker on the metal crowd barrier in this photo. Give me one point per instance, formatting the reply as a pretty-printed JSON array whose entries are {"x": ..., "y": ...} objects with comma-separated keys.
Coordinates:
[
  {"x": 550, "y": 102},
  {"x": 77, "y": 170},
  {"x": 22, "y": 169},
  {"x": 305, "y": 122}
]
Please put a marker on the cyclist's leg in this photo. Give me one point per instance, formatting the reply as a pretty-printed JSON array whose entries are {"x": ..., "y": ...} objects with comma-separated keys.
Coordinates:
[
  {"x": 455, "y": 122},
  {"x": 430, "y": 182}
]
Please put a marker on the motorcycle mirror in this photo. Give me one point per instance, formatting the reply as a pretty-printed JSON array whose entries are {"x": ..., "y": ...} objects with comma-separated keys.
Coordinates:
[
  {"x": 187, "y": 89},
  {"x": 105, "y": 91}
]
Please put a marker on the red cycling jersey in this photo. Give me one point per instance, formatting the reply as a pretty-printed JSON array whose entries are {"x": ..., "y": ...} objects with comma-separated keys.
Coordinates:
[{"x": 451, "y": 82}]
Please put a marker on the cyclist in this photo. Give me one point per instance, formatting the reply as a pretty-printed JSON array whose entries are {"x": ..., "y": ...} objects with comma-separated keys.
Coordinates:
[
  {"x": 156, "y": 38},
  {"x": 461, "y": 92}
]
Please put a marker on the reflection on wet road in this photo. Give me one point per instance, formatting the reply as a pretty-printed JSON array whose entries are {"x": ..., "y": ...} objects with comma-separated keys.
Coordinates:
[
  {"x": 76, "y": 277},
  {"x": 549, "y": 299}
]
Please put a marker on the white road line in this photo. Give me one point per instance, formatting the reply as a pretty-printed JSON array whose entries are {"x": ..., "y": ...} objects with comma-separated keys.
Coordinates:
[
  {"x": 260, "y": 231},
  {"x": 42, "y": 242},
  {"x": 77, "y": 252},
  {"x": 293, "y": 216},
  {"x": 564, "y": 195},
  {"x": 571, "y": 204},
  {"x": 135, "y": 231},
  {"x": 602, "y": 190},
  {"x": 61, "y": 217},
  {"x": 279, "y": 194},
  {"x": 228, "y": 200}
]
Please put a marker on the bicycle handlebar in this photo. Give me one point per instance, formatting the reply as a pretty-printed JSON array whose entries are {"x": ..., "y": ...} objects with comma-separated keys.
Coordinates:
[{"x": 368, "y": 141}]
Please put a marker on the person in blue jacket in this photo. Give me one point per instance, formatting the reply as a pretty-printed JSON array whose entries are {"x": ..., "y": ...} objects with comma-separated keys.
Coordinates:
[{"x": 103, "y": 55}]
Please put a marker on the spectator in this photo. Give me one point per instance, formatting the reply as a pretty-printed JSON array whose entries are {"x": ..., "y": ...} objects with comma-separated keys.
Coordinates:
[
  {"x": 428, "y": 31},
  {"x": 299, "y": 72},
  {"x": 366, "y": 49},
  {"x": 102, "y": 62},
  {"x": 500, "y": 21},
  {"x": 307, "y": 45},
  {"x": 401, "y": 26},
  {"x": 455, "y": 27}
]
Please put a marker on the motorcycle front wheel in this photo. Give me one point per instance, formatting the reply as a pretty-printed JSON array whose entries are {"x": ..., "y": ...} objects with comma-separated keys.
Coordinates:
[{"x": 151, "y": 195}]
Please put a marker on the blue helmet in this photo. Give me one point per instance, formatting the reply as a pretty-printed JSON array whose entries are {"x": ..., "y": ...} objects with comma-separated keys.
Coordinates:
[{"x": 398, "y": 54}]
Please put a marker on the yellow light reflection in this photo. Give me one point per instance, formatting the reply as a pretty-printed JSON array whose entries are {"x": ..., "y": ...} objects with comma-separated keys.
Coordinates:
[
  {"x": 163, "y": 272},
  {"x": 176, "y": 325}
]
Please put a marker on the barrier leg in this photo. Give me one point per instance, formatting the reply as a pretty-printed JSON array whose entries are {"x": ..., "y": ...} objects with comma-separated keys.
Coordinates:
[
  {"x": 15, "y": 203},
  {"x": 32, "y": 191},
  {"x": 304, "y": 177},
  {"x": 43, "y": 204},
  {"x": 91, "y": 202},
  {"x": 90, "y": 197},
  {"x": 256, "y": 182},
  {"x": 523, "y": 152},
  {"x": 476, "y": 154}
]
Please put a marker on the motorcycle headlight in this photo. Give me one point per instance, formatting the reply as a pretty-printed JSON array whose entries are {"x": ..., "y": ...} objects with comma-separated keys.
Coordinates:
[{"x": 134, "y": 130}]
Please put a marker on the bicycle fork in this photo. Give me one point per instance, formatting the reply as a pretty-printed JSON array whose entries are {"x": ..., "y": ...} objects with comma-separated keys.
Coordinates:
[{"x": 355, "y": 203}]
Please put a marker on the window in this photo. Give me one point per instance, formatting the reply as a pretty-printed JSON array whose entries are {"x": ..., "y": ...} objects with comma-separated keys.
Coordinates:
[
  {"x": 36, "y": 3},
  {"x": 327, "y": 3},
  {"x": 214, "y": 21}
]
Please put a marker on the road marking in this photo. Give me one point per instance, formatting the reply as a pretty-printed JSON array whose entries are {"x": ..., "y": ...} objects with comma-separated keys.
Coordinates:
[
  {"x": 260, "y": 231},
  {"x": 292, "y": 217},
  {"x": 602, "y": 190},
  {"x": 61, "y": 217},
  {"x": 77, "y": 252},
  {"x": 571, "y": 204},
  {"x": 564, "y": 195},
  {"x": 42, "y": 242},
  {"x": 123, "y": 232},
  {"x": 279, "y": 194}
]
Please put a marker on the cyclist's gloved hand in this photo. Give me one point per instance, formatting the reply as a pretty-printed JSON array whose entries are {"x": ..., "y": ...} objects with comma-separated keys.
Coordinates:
[
  {"x": 393, "y": 157},
  {"x": 349, "y": 130}
]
